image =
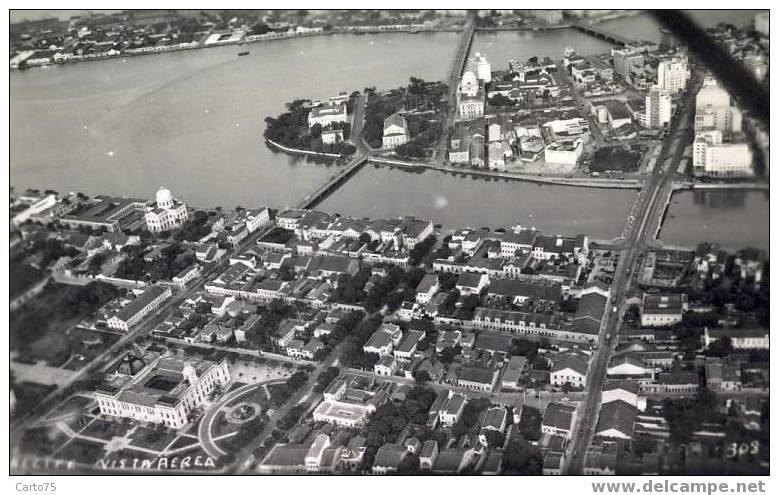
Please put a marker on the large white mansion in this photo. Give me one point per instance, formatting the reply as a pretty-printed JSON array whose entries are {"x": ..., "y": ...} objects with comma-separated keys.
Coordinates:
[
  {"x": 167, "y": 213},
  {"x": 163, "y": 392}
]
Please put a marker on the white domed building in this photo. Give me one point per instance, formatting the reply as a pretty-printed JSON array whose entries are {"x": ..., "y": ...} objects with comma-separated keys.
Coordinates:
[
  {"x": 167, "y": 213},
  {"x": 469, "y": 84}
]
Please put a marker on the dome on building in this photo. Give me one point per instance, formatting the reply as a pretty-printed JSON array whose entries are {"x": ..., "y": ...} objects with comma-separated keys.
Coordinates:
[
  {"x": 469, "y": 78},
  {"x": 130, "y": 365},
  {"x": 164, "y": 198}
]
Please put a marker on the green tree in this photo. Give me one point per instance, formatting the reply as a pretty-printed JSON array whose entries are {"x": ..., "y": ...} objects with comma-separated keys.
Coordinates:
[
  {"x": 421, "y": 376},
  {"x": 522, "y": 458}
]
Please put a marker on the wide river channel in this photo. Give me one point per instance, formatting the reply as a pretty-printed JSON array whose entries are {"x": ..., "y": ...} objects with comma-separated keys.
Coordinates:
[{"x": 192, "y": 121}]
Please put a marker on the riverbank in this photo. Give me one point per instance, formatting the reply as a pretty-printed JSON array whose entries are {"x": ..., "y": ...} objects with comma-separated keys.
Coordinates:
[
  {"x": 491, "y": 29},
  {"x": 295, "y": 151},
  {"x": 158, "y": 50},
  {"x": 558, "y": 181}
]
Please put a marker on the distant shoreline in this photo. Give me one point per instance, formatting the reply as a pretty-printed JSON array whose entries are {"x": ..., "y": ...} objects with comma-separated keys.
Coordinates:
[
  {"x": 355, "y": 30},
  {"x": 173, "y": 49}
]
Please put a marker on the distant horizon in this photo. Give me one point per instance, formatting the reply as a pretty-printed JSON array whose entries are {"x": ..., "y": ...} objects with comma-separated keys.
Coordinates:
[{"x": 21, "y": 15}]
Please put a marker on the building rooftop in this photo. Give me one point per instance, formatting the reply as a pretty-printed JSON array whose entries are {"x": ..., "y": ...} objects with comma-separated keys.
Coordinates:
[
  {"x": 495, "y": 418},
  {"x": 569, "y": 361},
  {"x": 140, "y": 302},
  {"x": 617, "y": 415},
  {"x": 477, "y": 374},
  {"x": 166, "y": 381},
  {"x": 493, "y": 342},
  {"x": 559, "y": 415},
  {"x": 449, "y": 461},
  {"x": 390, "y": 455},
  {"x": 526, "y": 289},
  {"x": 469, "y": 279},
  {"x": 395, "y": 120},
  {"x": 664, "y": 304},
  {"x": 427, "y": 282}
]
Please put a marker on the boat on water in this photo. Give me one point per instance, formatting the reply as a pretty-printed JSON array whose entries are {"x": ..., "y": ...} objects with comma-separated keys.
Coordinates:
[{"x": 242, "y": 54}]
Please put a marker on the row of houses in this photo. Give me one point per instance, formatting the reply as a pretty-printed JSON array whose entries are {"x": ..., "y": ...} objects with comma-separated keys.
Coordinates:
[{"x": 309, "y": 225}]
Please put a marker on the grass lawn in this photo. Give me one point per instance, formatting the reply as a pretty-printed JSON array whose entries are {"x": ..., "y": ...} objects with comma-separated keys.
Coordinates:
[
  {"x": 89, "y": 344},
  {"x": 222, "y": 426},
  {"x": 182, "y": 442},
  {"x": 615, "y": 158},
  {"x": 37, "y": 330},
  {"x": 236, "y": 385},
  {"x": 22, "y": 277},
  {"x": 29, "y": 394},
  {"x": 105, "y": 430},
  {"x": 43, "y": 441},
  {"x": 73, "y": 404},
  {"x": 152, "y": 439},
  {"x": 254, "y": 397},
  {"x": 82, "y": 451}
]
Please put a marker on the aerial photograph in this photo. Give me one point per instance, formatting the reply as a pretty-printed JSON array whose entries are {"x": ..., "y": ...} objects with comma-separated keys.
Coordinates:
[{"x": 389, "y": 242}]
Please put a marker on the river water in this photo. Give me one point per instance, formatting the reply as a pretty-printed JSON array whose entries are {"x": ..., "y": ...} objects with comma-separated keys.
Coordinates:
[
  {"x": 192, "y": 121},
  {"x": 733, "y": 218},
  {"x": 457, "y": 200},
  {"x": 644, "y": 27}
]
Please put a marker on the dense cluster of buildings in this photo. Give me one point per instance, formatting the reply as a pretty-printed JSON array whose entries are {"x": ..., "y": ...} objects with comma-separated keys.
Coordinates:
[
  {"x": 107, "y": 35},
  {"x": 462, "y": 327}
]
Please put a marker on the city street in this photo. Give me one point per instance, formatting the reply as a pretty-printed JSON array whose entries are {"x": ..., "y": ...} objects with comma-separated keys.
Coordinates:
[{"x": 651, "y": 207}]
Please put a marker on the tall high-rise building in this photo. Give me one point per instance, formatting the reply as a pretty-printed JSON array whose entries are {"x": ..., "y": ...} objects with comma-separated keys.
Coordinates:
[
  {"x": 714, "y": 158},
  {"x": 713, "y": 109},
  {"x": 672, "y": 74},
  {"x": 668, "y": 41},
  {"x": 483, "y": 69},
  {"x": 761, "y": 23},
  {"x": 625, "y": 59},
  {"x": 658, "y": 108}
]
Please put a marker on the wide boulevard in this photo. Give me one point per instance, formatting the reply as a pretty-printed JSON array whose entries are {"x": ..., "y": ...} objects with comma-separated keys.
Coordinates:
[{"x": 652, "y": 203}]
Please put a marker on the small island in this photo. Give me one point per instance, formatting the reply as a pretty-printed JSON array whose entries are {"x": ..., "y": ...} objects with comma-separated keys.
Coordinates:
[{"x": 318, "y": 127}]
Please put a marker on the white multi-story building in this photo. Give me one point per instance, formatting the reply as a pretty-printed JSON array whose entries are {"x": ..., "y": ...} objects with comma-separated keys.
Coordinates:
[
  {"x": 714, "y": 158},
  {"x": 327, "y": 114},
  {"x": 658, "y": 108},
  {"x": 569, "y": 369},
  {"x": 469, "y": 84},
  {"x": 332, "y": 136},
  {"x": 167, "y": 213},
  {"x": 471, "y": 107},
  {"x": 257, "y": 218},
  {"x": 483, "y": 69},
  {"x": 395, "y": 131},
  {"x": 560, "y": 129},
  {"x": 713, "y": 109},
  {"x": 559, "y": 419},
  {"x": 151, "y": 299},
  {"x": 564, "y": 152},
  {"x": 627, "y": 61},
  {"x": 672, "y": 74},
  {"x": 427, "y": 288},
  {"x": 164, "y": 392},
  {"x": 662, "y": 310},
  {"x": 470, "y": 97}
]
